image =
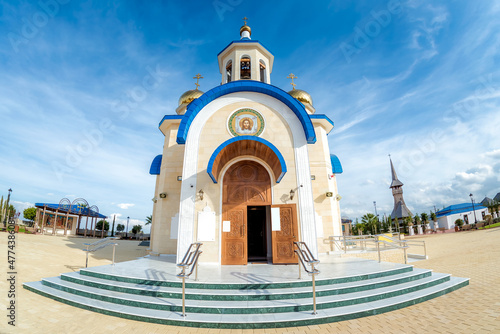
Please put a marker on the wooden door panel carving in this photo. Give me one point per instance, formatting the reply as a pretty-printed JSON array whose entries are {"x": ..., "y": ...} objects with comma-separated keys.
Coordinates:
[
  {"x": 234, "y": 242},
  {"x": 283, "y": 248}
]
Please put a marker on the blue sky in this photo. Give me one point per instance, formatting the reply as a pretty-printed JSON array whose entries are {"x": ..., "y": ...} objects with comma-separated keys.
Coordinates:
[{"x": 415, "y": 79}]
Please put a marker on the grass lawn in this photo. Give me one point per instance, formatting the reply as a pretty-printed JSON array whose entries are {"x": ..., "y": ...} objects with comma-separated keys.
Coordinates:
[{"x": 490, "y": 226}]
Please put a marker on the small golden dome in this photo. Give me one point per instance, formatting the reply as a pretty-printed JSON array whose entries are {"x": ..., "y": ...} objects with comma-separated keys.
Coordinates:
[
  {"x": 190, "y": 95},
  {"x": 301, "y": 95},
  {"x": 245, "y": 28}
]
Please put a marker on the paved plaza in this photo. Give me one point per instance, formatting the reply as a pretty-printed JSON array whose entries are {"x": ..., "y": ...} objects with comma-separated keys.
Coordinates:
[{"x": 472, "y": 309}]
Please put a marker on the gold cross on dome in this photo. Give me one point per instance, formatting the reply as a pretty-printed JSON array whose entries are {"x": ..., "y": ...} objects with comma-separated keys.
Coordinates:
[
  {"x": 245, "y": 19},
  {"x": 197, "y": 77},
  {"x": 292, "y": 76}
]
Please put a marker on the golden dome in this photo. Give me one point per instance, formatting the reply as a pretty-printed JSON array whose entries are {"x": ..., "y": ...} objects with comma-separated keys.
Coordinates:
[
  {"x": 301, "y": 95},
  {"x": 190, "y": 95},
  {"x": 245, "y": 28}
]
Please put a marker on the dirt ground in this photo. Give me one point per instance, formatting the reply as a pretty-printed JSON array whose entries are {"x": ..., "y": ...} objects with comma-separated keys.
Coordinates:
[{"x": 473, "y": 309}]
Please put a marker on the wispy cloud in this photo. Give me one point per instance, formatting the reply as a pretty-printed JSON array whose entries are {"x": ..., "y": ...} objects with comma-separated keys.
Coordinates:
[{"x": 125, "y": 205}]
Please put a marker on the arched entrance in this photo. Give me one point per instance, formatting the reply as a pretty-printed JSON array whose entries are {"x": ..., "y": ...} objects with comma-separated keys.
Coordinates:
[{"x": 247, "y": 234}]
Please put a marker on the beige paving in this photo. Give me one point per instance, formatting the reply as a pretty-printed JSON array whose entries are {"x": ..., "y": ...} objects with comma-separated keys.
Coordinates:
[{"x": 473, "y": 309}]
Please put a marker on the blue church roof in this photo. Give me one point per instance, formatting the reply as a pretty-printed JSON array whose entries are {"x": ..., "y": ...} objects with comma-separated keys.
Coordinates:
[
  {"x": 458, "y": 208},
  {"x": 156, "y": 165},
  {"x": 336, "y": 165},
  {"x": 245, "y": 86}
]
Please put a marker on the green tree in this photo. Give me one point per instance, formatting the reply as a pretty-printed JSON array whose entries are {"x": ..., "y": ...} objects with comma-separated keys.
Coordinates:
[
  {"x": 425, "y": 219},
  {"x": 433, "y": 216},
  {"x": 386, "y": 224},
  {"x": 408, "y": 223},
  {"x": 370, "y": 222},
  {"x": 149, "y": 219},
  {"x": 120, "y": 227},
  {"x": 10, "y": 211},
  {"x": 459, "y": 222},
  {"x": 98, "y": 226},
  {"x": 357, "y": 228},
  {"x": 136, "y": 229},
  {"x": 30, "y": 213}
]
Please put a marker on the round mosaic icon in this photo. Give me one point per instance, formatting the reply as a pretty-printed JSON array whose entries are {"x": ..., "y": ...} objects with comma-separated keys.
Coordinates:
[{"x": 246, "y": 122}]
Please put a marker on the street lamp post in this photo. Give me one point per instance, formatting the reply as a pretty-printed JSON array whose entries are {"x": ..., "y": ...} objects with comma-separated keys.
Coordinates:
[
  {"x": 5, "y": 219},
  {"x": 126, "y": 232},
  {"x": 113, "y": 228},
  {"x": 472, "y": 200}
]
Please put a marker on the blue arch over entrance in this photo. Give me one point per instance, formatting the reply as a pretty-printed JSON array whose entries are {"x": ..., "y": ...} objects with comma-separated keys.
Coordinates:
[
  {"x": 245, "y": 86},
  {"x": 277, "y": 155}
]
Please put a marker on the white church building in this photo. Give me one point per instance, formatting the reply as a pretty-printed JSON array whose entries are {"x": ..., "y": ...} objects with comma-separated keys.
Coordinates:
[{"x": 246, "y": 167}]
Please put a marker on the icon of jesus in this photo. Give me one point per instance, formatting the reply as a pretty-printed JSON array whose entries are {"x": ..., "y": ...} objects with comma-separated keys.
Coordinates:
[{"x": 246, "y": 125}]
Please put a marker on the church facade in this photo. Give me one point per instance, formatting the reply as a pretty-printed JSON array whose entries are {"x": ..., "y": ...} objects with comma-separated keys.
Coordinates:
[{"x": 246, "y": 168}]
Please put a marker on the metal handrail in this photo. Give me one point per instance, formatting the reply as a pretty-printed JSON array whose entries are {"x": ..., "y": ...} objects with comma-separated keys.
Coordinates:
[
  {"x": 190, "y": 259},
  {"x": 306, "y": 257},
  {"x": 98, "y": 245},
  {"x": 344, "y": 241},
  {"x": 392, "y": 243},
  {"x": 418, "y": 243}
]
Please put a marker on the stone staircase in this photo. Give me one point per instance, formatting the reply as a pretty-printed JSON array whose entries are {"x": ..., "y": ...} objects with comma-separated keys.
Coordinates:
[{"x": 278, "y": 301}]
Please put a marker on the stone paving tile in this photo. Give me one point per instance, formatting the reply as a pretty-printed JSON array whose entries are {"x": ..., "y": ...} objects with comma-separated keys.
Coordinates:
[{"x": 473, "y": 309}]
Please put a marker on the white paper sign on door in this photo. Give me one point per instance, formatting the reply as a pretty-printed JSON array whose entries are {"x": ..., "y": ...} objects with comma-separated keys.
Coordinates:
[
  {"x": 275, "y": 219},
  {"x": 226, "y": 226},
  {"x": 206, "y": 226}
]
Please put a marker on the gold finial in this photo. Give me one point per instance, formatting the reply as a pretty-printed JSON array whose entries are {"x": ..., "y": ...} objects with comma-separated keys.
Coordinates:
[
  {"x": 245, "y": 20},
  {"x": 292, "y": 76},
  {"x": 197, "y": 77}
]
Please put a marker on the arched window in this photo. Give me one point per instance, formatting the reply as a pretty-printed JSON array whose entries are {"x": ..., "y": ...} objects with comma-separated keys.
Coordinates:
[
  {"x": 229, "y": 71},
  {"x": 245, "y": 72},
  {"x": 262, "y": 67}
]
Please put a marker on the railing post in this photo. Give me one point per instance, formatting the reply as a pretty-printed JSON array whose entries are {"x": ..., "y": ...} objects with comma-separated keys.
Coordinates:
[
  {"x": 314, "y": 288},
  {"x": 183, "y": 292},
  {"x": 405, "y": 255},
  {"x": 87, "y": 259},
  {"x": 114, "y": 246},
  {"x": 345, "y": 246},
  {"x": 196, "y": 272},
  {"x": 378, "y": 248}
]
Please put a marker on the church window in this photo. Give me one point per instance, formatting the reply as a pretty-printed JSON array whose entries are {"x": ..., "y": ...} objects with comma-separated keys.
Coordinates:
[
  {"x": 229, "y": 71},
  {"x": 262, "y": 67},
  {"x": 245, "y": 72}
]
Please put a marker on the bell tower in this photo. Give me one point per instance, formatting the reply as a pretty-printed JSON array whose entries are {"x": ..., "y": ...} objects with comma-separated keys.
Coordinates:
[
  {"x": 245, "y": 59},
  {"x": 400, "y": 209}
]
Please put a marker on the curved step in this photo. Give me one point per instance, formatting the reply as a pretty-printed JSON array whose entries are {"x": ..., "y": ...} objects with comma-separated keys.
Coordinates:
[
  {"x": 246, "y": 294},
  {"x": 267, "y": 320},
  {"x": 165, "y": 275},
  {"x": 239, "y": 307}
]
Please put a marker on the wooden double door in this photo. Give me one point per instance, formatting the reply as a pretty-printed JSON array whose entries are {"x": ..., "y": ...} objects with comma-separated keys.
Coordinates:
[{"x": 246, "y": 213}]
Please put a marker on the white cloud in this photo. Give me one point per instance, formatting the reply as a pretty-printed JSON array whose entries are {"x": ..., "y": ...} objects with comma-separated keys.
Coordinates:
[
  {"x": 125, "y": 206},
  {"x": 495, "y": 154}
]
